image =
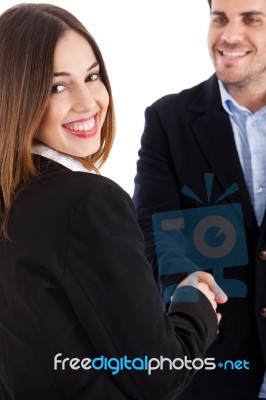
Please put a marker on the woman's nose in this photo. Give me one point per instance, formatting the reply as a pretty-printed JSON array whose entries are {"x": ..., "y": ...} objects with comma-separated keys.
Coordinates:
[{"x": 84, "y": 99}]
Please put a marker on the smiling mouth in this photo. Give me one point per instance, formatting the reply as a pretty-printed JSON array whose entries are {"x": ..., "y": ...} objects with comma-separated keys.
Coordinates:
[
  {"x": 81, "y": 126},
  {"x": 233, "y": 54},
  {"x": 83, "y": 129}
]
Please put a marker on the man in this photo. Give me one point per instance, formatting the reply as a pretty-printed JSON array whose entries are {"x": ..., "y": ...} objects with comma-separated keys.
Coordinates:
[{"x": 203, "y": 147}]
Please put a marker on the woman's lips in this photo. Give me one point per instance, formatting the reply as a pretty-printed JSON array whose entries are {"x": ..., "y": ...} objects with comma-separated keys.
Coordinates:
[{"x": 83, "y": 128}]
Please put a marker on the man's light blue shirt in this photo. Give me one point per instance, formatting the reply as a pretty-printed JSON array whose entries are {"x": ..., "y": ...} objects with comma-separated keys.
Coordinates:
[{"x": 250, "y": 138}]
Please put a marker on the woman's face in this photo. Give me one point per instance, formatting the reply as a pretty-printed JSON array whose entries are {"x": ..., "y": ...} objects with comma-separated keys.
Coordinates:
[{"x": 79, "y": 100}]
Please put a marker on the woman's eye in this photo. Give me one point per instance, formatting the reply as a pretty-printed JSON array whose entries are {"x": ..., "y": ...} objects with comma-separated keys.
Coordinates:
[
  {"x": 58, "y": 87},
  {"x": 93, "y": 77}
]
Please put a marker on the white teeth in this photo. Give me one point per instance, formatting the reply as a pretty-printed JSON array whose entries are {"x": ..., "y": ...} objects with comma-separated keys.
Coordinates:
[
  {"x": 79, "y": 127},
  {"x": 91, "y": 123},
  {"x": 234, "y": 54}
]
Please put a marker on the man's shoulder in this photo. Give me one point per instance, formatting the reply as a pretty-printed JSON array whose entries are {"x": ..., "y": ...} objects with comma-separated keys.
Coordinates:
[{"x": 186, "y": 96}]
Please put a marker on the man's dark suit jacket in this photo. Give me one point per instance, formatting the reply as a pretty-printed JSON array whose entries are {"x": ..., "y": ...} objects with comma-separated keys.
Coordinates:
[
  {"x": 187, "y": 135},
  {"x": 74, "y": 280}
]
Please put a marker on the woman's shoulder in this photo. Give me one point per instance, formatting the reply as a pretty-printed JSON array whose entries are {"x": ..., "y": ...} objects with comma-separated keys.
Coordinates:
[
  {"x": 59, "y": 180},
  {"x": 59, "y": 195}
]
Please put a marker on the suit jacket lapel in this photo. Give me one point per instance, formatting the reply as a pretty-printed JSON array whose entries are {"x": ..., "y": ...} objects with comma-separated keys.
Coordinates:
[{"x": 215, "y": 137}]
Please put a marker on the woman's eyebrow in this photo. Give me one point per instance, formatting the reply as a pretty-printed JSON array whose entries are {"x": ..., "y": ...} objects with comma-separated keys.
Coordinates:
[{"x": 95, "y": 64}]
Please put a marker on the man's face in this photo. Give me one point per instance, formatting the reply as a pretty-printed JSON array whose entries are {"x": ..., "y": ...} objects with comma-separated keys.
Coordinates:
[{"x": 237, "y": 41}]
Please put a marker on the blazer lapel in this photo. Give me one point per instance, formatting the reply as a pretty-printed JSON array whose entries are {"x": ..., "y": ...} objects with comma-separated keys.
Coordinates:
[{"x": 214, "y": 134}]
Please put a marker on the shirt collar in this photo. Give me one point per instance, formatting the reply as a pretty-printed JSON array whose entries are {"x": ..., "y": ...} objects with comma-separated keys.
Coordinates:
[
  {"x": 229, "y": 103},
  {"x": 61, "y": 158}
]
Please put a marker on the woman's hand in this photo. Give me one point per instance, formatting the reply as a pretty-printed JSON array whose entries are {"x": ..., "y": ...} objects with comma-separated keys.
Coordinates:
[{"x": 206, "y": 284}]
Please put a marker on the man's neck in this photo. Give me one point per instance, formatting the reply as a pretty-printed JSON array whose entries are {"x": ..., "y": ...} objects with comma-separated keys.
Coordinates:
[{"x": 254, "y": 100}]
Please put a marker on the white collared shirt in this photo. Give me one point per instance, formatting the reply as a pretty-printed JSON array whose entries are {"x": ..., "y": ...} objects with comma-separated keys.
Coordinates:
[{"x": 61, "y": 158}]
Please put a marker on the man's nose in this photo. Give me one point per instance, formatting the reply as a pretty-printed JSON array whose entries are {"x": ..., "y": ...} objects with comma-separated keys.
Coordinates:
[{"x": 233, "y": 33}]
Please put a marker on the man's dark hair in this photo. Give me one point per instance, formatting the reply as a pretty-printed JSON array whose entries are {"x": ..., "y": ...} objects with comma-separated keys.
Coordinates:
[{"x": 210, "y": 3}]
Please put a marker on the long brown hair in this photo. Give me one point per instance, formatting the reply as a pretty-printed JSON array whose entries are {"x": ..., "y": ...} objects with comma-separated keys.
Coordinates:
[{"x": 28, "y": 37}]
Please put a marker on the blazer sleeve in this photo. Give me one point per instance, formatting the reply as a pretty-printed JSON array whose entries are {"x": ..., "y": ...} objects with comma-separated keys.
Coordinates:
[{"x": 112, "y": 290}]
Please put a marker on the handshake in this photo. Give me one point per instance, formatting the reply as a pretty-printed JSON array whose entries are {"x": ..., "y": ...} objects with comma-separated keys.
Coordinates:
[{"x": 205, "y": 282}]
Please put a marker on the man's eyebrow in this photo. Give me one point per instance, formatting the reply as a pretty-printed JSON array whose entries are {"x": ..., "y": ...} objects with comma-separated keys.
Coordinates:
[
  {"x": 95, "y": 64},
  {"x": 218, "y": 13},
  {"x": 252, "y": 12},
  {"x": 243, "y": 14}
]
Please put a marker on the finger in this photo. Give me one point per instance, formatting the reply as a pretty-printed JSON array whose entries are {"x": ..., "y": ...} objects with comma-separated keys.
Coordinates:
[
  {"x": 204, "y": 288},
  {"x": 221, "y": 299},
  {"x": 219, "y": 317},
  {"x": 191, "y": 280},
  {"x": 220, "y": 295}
]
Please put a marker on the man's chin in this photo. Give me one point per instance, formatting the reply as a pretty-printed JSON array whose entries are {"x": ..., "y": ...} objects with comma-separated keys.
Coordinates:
[{"x": 231, "y": 79}]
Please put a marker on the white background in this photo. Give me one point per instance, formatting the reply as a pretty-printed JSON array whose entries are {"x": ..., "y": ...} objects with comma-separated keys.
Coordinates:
[{"x": 151, "y": 48}]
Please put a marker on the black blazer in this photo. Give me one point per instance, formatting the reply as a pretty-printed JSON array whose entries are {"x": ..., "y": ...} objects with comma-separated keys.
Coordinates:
[
  {"x": 74, "y": 280},
  {"x": 187, "y": 135}
]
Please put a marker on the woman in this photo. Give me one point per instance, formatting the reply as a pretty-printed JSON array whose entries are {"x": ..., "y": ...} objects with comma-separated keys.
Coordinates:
[{"x": 80, "y": 316}]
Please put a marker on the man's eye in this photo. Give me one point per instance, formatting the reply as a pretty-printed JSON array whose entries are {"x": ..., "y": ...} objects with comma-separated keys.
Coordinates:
[
  {"x": 58, "y": 87},
  {"x": 220, "y": 20},
  {"x": 250, "y": 21}
]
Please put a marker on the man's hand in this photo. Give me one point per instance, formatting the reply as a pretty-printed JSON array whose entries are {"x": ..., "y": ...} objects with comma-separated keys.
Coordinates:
[{"x": 206, "y": 284}]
